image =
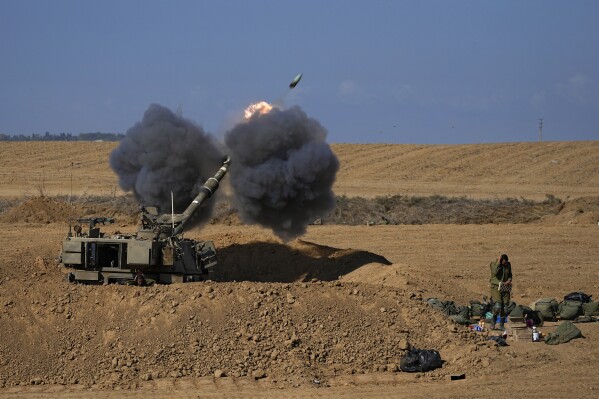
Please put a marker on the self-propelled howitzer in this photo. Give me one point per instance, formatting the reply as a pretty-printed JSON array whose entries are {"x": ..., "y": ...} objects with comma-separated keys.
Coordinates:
[{"x": 157, "y": 252}]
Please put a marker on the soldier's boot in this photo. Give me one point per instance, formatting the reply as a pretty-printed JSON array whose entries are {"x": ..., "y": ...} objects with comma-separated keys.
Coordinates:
[{"x": 502, "y": 323}]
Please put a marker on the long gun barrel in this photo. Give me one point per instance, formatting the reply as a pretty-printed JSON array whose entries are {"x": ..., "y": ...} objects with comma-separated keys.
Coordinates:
[{"x": 209, "y": 187}]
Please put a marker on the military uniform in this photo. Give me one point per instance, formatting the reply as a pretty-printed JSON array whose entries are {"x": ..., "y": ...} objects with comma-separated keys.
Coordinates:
[{"x": 500, "y": 274}]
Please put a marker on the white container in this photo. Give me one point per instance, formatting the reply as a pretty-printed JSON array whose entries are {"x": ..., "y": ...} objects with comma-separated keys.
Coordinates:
[{"x": 536, "y": 335}]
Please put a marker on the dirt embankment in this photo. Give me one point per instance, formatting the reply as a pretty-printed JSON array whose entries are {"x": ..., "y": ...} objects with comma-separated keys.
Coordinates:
[
  {"x": 63, "y": 209},
  {"x": 389, "y": 210},
  {"x": 57, "y": 333}
]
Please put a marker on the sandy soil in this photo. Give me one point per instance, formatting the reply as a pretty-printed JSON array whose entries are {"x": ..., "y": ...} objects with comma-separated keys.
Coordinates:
[{"x": 339, "y": 306}]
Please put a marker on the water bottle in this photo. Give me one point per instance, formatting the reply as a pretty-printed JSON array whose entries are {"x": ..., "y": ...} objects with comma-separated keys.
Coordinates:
[{"x": 536, "y": 336}]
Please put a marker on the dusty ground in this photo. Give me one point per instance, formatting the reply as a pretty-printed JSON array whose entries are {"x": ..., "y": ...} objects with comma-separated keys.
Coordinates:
[{"x": 339, "y": 306}]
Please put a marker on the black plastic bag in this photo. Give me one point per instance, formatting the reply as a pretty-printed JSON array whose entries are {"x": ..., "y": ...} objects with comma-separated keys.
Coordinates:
[
  {"x": 578, "y": 297},
  {"x": 418, "y": 360},
  {"x": 500, "y": 340}
]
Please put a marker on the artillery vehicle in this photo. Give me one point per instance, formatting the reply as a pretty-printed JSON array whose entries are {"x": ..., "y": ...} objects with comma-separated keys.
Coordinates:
[{"x": 157, "y": 252}]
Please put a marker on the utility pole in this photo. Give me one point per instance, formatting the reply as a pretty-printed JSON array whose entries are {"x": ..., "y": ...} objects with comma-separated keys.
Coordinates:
[
  {"x": 71, "y": 196},
  {"x": 540, "y": 129}
]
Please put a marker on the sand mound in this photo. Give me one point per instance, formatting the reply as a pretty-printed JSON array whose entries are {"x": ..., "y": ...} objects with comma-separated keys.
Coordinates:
[
  {"x": 41, "y": 210},
  {"x": 283, "y": 321},
  {"x": 583, "y": 210},
  {"x": 61, "y": 210},
  {"x": 115, "y": 335}
]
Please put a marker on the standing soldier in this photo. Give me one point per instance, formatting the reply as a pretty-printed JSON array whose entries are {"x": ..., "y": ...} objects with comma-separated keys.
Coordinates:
[{"x": 501, "y": 286}]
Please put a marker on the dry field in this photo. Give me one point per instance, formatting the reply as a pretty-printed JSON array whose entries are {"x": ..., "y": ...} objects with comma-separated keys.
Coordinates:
[
  {"x": 529, "y": 170},
  {"x": 338, "y": 305}
]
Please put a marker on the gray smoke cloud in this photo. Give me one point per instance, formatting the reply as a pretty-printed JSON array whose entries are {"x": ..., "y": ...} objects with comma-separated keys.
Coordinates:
[
  {"x": 282, "y": 170},
  {"x": 163, "y": 153}
]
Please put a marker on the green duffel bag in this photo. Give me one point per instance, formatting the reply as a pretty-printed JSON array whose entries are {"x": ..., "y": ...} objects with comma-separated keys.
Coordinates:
[
  {"x": 435, "y": 303},
  {"x": 569, "y": 310},
  {"x": 476, "y": 309},
  {"x": 526, "y": 312},
  {"x": 565, "y": 332},
  {"x": 547, "y": 307},
  {"x": 520, "y": 311},
  {"x": 590, "y": 308},
  {"x": 460, "y": 319},
  {"x": 445, "y": 307}
]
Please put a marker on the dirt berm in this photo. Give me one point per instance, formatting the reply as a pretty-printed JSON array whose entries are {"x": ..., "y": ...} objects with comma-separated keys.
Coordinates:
[{"x": 54, "y": 332}]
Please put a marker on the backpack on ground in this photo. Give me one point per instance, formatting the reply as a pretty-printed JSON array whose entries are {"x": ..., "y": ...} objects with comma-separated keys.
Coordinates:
[
  {"x": 435, "y": 303},
  {"x": 448, "y": 308},
  {"x": 590, "y": 308},
  {"x": 465, "y": 311},
  {"x": 463, "y": 317},
  {"x": 477, "y": 309},
  {"x": 569, "y": 310},
  {"x": 547, "y": 307},
  {"x": 460, "y": 319},
  {"x": 527, "y": 313},
  {"x": 520, "y": 311},
  {"x": 578, "y": 296},
  {"x": 536, "y": 317}
]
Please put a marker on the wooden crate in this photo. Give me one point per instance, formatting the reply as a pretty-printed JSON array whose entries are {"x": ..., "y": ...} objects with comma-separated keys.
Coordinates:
[
  {"x": 517, "y": 330},
  {"x": 519, "y": 334}
]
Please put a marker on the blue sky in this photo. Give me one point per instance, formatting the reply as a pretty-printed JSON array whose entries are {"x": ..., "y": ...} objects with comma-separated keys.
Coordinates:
[{"x": 374, "y": 71}]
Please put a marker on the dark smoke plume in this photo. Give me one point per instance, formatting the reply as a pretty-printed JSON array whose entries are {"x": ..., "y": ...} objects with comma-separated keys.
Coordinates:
[
  {"x": 165, "y": 153},
  {"x": 282, "y": 170}
]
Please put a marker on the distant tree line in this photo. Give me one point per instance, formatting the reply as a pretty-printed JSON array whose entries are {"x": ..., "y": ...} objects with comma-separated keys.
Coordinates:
[{"x": 63, "y": 137}]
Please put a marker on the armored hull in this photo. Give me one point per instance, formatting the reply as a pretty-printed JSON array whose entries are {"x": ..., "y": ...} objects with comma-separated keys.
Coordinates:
[
  {"x": 121, "y": 258},
  {"x": 157, "y": 253}
]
